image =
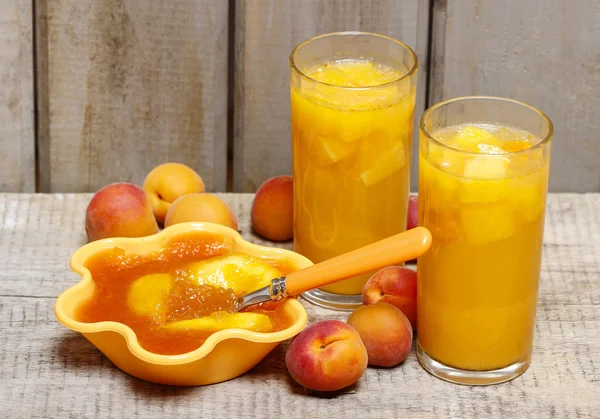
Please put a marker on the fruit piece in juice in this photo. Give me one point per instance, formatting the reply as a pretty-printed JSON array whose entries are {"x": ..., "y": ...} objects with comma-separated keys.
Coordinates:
[
  {"x": 381, "y": 165},
  {"x": 354, "y": 126},
  {"x": 329, "y": 115},
  {"x": 527, "y": 195},
  {"x": 221, "y": 320},
  {"x": 435, "y": 153},
  {"x": 476, "y": 140},
  {"x": 337, "y": 150},
  {"x": 471, "y": 139},
  {"x": 489, "y": 168},
  {"x": 528, "y": 162},
  {"x": 347, "y": 112},
  {"x": 487, "y": 223},
  {"x": 484, "y": 180},
  {"x": 240, "y": 272},
  {"x": 449, "y": 160},
  {"x": 353, "y": 73},
  {"x": 327, "y": 150},
  {"x": 442, "y": 188},
  {"x": 314, "y": 117},
  {"x": 514, "y": 139},
  {"x": 147, "y": 295}
]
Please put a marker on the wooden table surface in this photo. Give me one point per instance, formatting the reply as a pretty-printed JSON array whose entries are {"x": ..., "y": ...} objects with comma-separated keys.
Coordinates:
[{"x": 48, "y": 371}]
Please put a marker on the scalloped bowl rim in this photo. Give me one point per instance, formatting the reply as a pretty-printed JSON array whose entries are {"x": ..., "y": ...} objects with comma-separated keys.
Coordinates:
[{"x": 155, "y": 242}]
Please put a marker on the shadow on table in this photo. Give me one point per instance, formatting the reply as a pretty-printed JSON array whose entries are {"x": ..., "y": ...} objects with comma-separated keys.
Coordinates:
[
  {"x": 83, "y": 358},
  {"x": 146, "y": 390},
  {"x": 80, "y": 355}
]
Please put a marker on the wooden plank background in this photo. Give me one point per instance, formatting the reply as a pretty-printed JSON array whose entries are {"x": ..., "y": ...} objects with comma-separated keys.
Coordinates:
[
  {"x": 129, "y": 84},
  {"x": 266, "y": 33},
  {"x": 96, "y": 92},
  {"x": 17, "y": 141},
  {"x": 545, "y": 53}
]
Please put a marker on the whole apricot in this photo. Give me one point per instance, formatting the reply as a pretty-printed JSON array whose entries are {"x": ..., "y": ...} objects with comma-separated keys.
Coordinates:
[
  {"x": 395, "y": 285},
  {"x": 385, "y": 332},
  {"x": 200, "y": 207},
  {"x": 326, "y": 356},
  {"x": 167, "y": 182},
  {"x": 273, "y": 209},
  {"x": 412, "y": 219},
  {"x": 119, "y": 209}
]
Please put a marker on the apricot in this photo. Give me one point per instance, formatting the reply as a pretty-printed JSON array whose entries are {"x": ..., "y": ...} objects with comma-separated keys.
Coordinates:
[
  {"x": 240, "y": 272},
  {"x": 119, "y": 210},
  {"x": 385, "y": 332},
  {"x": 167, "y": 182},
  {"x": 222, "y": 320},
  {"x": 412, "y": 219},
  {"x": 147, "y": 295},
  {"x": 326, "y": 356},
  {"x": 200, "y": 207},
  {"x": 395, "y": 285},
  {"x": 273, "y": 209}
]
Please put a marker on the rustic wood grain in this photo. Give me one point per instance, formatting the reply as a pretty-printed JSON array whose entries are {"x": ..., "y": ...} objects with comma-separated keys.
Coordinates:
[
  {"x": 49, "y": 371},
  {"x": 266, "y": 33},
  {"x": 545, "y": 53},
  {"x": 17, "y": 155},
  {"x": 125, "y": 85}
]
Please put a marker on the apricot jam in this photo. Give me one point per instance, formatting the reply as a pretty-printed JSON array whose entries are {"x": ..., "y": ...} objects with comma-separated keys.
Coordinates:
[{"x": 114, "y": 271}]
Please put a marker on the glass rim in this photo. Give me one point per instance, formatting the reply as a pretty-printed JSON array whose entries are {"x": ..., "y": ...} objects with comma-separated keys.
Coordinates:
[
  {"x": 411, "y": 72},
  {"x": 541, "y": 114}
]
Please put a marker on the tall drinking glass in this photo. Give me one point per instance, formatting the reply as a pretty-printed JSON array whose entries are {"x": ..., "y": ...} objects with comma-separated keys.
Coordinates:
[
  {"x": 483, "y": 178},
  {"x": 352, "y": 105}
]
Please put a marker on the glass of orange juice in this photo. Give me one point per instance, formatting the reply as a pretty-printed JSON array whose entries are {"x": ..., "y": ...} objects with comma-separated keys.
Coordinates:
[
  {"x": 483, "y": 179},
  {"x": 352, "y": 106}
]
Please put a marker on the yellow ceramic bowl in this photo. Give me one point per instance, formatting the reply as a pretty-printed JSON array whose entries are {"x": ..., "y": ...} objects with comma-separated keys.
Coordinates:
[{"x": 224, "y": 355}]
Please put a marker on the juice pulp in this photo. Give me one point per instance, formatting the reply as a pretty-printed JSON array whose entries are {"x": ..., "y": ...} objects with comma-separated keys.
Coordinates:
[
  {"x": 478, "y": 283},
  {"x": 351, "y": 154}
]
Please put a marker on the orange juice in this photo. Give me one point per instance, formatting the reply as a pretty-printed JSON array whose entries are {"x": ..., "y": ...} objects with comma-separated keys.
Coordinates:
[
  {"x": 482, "y": 194},
  {"x": 351, "y": 136}
]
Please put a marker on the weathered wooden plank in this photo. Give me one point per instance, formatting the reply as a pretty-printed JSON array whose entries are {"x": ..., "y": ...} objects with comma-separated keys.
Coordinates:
[
  {"x": 17, "y": 143},
  {"x": 266, "y": 33},
  {"x": 128, "y": 84},
  {"x": 545, "y": 53}
]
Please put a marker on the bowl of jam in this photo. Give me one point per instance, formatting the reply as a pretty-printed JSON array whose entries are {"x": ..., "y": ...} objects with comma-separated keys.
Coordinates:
[{"x": 163, "y": 308}]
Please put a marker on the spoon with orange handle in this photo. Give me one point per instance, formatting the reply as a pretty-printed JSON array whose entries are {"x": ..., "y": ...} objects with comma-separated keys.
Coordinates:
[{"x": 395, "y": 249}]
